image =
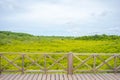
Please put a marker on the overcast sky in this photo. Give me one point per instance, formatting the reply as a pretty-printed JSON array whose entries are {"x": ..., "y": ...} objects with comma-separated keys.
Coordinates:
[{"x": 61, "y": 17}]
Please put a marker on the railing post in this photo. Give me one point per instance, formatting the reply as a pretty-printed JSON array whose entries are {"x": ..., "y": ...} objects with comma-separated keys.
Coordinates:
[
  {"x": 115, "y": 63},
  {"x": 70, "y": 64},
  {"x": 23, "y": 56},
  {"x": 45, "y": 67},
  {"x": 0, "y": 64},
  {"x": 94, "y": 63}
]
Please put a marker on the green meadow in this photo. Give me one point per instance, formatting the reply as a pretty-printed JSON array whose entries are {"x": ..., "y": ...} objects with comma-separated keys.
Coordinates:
[{"x": 22, "y": 42}]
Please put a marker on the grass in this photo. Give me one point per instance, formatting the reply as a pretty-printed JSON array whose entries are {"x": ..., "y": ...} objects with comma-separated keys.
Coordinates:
[{"x": 21, "y": 42}]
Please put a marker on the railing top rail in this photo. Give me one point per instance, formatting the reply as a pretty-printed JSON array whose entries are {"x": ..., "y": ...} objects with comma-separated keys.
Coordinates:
[{"x": 32, "y": 53}]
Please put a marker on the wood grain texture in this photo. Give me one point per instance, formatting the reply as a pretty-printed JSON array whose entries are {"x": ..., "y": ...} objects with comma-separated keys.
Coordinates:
[
  {"x": 69, "y": 58},
  {"x": 88, "y": 76}
]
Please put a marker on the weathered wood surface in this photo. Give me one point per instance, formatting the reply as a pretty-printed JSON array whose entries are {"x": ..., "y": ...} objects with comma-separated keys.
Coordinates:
[
  {"x": 87, "y": 76},
  {"x": 97, "y": 62}
]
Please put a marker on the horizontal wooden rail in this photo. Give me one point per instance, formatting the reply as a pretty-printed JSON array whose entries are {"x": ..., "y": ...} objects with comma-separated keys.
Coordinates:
[{"x": 68, "y": 63}]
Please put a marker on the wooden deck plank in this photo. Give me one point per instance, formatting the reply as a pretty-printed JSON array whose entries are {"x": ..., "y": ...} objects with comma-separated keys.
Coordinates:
[
  {"x": 24, "y": 77},
  {"x": 13, "y": 76},
  {"x": 87, "y": 76},
  {"x": 57, "y": 77},
  {"x": 91, "y": 77},
  {"x": 95, "y": 77},
  {"x": 35, "y": 77},
  {"x": 105, "y": 77},
  {"x": 20, "y": 77},
  {"x": 31, "y": 76},
  {"x": 117, "y": 77},
  {"x": 65, "y": 77},
  {"x": 44, "y": 76},
  {"x": 61, "y": 77},
  {"x": 79, "y": 77},
  {"x": 1, "y": 75},
  {"x": 110, "y": 76},
  {"x": 99, "y": 77},
  {"x": 52, "y": 77},
  {"x": 70, "y": 77},
  {"x": 39, "y": 77},
  {"x": 4, "y": 76},
  {"x": 7, "y": 77},
  {"x": 74, "y": 77},
  {"x": 17, "y": 77},
  {"x": 48, "y": 77},
  {"x": 82, "y": 77}
]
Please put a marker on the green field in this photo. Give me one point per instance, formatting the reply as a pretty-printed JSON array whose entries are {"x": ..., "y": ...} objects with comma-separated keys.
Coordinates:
[{"x": 22, "y": 42}]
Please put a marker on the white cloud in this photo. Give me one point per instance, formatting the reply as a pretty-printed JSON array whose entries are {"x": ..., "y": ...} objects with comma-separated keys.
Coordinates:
[{"x": 57, "y": 13}]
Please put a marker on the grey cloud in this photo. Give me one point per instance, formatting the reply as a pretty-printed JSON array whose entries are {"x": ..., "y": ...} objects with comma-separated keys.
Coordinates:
[{"x": 104, "y": 13}]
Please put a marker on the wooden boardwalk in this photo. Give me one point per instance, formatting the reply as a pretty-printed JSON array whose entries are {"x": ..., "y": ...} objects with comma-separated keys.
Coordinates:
[
  {"x": 84, "y": 76},
  {"x": 52, "y": 66}
]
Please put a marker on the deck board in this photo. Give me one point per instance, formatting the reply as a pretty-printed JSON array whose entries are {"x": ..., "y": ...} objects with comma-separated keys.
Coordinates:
[
  {"x": 52, "y": 77},
  {"x": 35, "y": 77},
  {"x": 6, "y": 77},
  {"x": 74, "y": 77},
  {"x": 110, "y": 76},
  {"x": 17, "y": 77},
  {"x": 78, "y": 77},
  {"x": 70, "y": 77},
  {"x": 44, "y": 77},
  {"x": 48, "y": 77},
  {"x": 57, "y": 76},
  {"x": 115, "y": 76},
  {"x": 65, "y": 77},
  {"x": 61, "y": 77},
  {"x": 88, "y": 76},
  {"x": 24, "y": 77},
  {"x": 13, "y": 76},
  {"x": 107, "y": 76},
  {"x": 39, "y": 77},
  {"x": 98, "y": 77},
  {"x": 118, "y": 75}
]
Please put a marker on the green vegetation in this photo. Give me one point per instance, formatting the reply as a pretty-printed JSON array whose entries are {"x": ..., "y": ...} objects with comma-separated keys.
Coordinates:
[{"x": 22, "y": 42}]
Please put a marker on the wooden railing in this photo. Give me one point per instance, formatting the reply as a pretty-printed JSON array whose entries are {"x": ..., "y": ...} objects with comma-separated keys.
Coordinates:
[{"x": 67, "y": 63}]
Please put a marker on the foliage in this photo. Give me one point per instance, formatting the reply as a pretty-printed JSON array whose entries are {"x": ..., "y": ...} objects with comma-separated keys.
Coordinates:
[
  {"x": 22, "y": 42},
  {"x": 99, "y": 37}
]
